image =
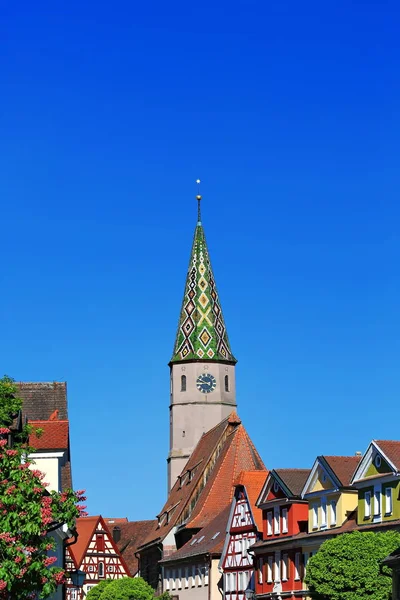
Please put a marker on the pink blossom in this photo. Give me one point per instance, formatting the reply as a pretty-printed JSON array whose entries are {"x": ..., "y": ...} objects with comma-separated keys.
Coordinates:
[
  {"x": 11, "y": 452},
  {"x": 3, "y": 584},
  {"x": 50, "y": 560},
  {"x": 59, "y": 577},
  {"x": 3, "y": 443},
  {"x": 4, "y": 430}
]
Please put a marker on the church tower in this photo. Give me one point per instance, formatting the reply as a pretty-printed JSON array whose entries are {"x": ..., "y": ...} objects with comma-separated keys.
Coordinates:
[{"x": 202, "y": 366}]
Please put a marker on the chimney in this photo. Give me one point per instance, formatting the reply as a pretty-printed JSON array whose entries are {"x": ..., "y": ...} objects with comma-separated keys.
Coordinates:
[
  {"x": 116, "y": 533},
  {"x": 358, "y": 453}
]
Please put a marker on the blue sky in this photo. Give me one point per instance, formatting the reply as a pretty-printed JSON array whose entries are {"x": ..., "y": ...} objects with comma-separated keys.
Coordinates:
[{"x": 289, "y": 113}]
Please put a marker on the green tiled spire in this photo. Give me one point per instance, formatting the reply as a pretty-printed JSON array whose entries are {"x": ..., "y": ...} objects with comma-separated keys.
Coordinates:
[{"x": 201, "y": 332}]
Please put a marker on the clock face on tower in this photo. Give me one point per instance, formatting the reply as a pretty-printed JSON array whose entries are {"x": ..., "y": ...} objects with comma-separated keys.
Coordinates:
[{"x": 206, "y": 383}]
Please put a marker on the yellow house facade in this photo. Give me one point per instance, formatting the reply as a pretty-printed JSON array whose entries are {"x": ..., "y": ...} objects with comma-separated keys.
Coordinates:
[{"x": 329, "y": 493}]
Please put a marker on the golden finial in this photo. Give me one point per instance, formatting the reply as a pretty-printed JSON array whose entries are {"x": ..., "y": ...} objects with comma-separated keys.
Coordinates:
[{"x": 198, "y": 198}]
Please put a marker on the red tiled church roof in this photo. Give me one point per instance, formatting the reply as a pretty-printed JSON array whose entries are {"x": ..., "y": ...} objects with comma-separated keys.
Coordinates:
[{"x": 221, "y": 454}]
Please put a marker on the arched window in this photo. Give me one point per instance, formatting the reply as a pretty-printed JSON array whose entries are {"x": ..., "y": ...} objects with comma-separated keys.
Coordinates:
[
  {"x": 183, "y": 383},
  {"x": 101, "y": 569},
  {"x": 226, "y": 383}
]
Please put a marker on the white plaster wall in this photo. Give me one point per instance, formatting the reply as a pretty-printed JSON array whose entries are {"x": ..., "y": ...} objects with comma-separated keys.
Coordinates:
[{"x": 51, "y": 468}]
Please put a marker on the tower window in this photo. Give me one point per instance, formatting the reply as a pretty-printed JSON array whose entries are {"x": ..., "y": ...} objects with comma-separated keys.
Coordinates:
[
  {"x": 183, "y": 383},
  {"x": 226, "y": 383}
]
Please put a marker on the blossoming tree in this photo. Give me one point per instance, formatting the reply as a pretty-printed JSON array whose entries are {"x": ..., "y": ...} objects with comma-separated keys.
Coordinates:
[{"x": 28, "y": 512}]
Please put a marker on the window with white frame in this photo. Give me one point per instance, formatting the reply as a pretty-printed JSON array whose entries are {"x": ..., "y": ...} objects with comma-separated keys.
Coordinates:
[
  {"x": 388, "y": 501},
  {"x": 269, "y": 568},
  {"x": 101, "y": 569},
  {"x": 74, "y": 594},
  {"x": 367, "y": 505},
  {"x": 277, "y": 566},
  {"x": 206, "y": 575},
  {"x": 199, "y": 576},
  {"x": 323, "y": 512},
  {"x": 111, "y": 568},
  {"x": 227, "y": 582},
  {"x": 241, "y": 581},
  {"x": 173, "y": 579},
  {"x": 233, "y": 582},
  {"x": 193, "y": 576},
  {"x": 305, "y": 561},
  {"x": 297, "y": 566},
  {"x": 242, "y": 511},
  {"x": 179, "y": 579},
  {"x": 277, "y": 520},
  {"x": 315, "y": 516},
  {"x": 285, "y": 567},
  {"x": 91, "y": 569},
  {"x": 284, "y": 520},
  {"x": 377, "y": 502},
  {"x": 333, "y": 512},
  {"x": 186, "y": 577},
  {"x": 269, "y": 523},
  {"x": 260, "y": 570},
  {"x": 166, "y": 580}
]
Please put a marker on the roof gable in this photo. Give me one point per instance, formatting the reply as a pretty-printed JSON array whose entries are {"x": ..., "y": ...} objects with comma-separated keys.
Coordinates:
[
  {"x": 283, "y": 483},
  {"x": 381, "y": 457},
  {"x": 252, "y": 482},
  {"x": 330, "y": 472},
  {"x": 85, "y": 527}
]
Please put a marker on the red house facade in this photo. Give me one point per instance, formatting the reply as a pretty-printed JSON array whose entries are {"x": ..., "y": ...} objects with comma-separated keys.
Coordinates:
[
  {"x": 278, "y": 558},
  {"x": 243, "y": 530}
]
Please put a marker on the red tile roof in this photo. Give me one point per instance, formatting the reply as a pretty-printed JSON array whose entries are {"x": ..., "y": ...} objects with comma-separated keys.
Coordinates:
[
  {"x": 253, "y": 482},
  {"x": 294, "y": 479},
  {"x": 133, "y": 534},
  {"x": 210, "y": 540},
  {"x": 220, "y": 455},
  {"x": 85, "y": 527},
  {"x": 391, "y": 449},
  {"x": 343, "y": 467},
  {"x": 55, "y": 435}
]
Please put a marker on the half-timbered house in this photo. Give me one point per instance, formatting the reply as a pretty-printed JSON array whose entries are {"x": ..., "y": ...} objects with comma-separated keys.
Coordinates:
[
  {"x": 95, "y": 553},
  {"x": 244, "y": 528}
]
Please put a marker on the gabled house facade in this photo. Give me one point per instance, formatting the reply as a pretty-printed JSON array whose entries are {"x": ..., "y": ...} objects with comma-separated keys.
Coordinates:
[
  {"x": 328, "y": 490},
  {"x": 244, "y": 528},
  {"x": 278, "y": 559},
  {"x": 95, "y": 553},
  {"x": 377, "y": 480}
]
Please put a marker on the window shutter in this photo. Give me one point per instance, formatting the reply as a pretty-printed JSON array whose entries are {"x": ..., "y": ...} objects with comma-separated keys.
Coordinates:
[
  {"x": 269, "y": 523},
  {"x": 284, "y": 520}
]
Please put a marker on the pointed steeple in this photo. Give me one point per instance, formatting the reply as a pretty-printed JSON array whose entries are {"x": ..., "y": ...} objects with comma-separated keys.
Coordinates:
[{"x": 202, "y": 333}]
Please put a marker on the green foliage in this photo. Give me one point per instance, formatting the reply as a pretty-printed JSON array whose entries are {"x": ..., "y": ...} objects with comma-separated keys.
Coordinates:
[
  {"x": 96, "y": 591},
  {"x": 10, "y": 404},
  {"x": 127, "y": 588},
  {"x": 347, "y": 567},
  {"x": 27, "y": 513},
  {"x": 164, "y": 596}
]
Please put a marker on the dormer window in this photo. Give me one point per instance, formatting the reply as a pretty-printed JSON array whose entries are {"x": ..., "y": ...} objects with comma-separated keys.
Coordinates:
[{"x": 183, "y": 383}]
